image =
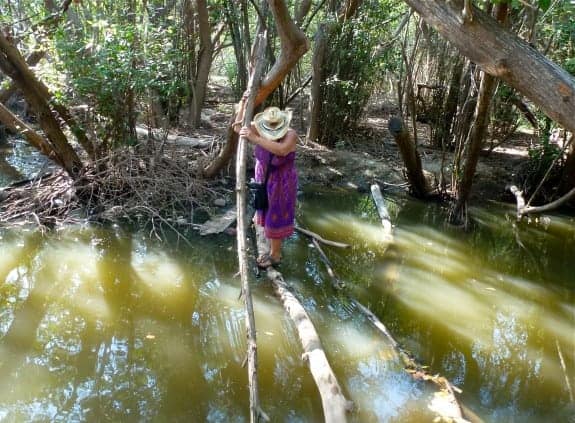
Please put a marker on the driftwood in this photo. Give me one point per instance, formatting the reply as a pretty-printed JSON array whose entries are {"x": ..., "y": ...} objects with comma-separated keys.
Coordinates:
[
  {"x": 564, "y": 368},
  {"x": 320, "y": 239},
  {"x": 258, "y": 61},
  {"x": 335, "y": 405},
  {"x": 218, "y": 224},
  {"x": 522, "y": 209},
  {"x": 381, "y": 209},
  {"x": 178, "y": 140},
  {"x": 336, "y": 280}
]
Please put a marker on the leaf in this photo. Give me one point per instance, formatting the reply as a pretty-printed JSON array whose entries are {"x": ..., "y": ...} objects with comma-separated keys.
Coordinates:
[{"x": 544, "y": 4}]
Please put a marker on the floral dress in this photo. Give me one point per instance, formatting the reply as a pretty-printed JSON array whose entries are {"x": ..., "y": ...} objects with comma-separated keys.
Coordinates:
[{"x": 278, "y": 220}]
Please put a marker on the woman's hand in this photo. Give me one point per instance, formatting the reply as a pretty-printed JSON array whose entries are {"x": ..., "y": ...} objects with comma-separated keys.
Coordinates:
[
  {"x": 236, "y": 126},
  {"x": 250, "y": 134}
]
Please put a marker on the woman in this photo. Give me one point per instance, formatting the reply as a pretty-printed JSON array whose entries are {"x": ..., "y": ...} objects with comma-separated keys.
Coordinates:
[{"x": 275, "y": 145}]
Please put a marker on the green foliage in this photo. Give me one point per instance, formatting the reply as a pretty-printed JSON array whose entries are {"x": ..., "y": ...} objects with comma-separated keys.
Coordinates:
[
  {"x": 558, "y": 24},
  {"x": 541, "y": 157},
  {"x": 107, "y": 63},
  {"x": 351, "y": 70},
  {"x": 504, "y": 114}
]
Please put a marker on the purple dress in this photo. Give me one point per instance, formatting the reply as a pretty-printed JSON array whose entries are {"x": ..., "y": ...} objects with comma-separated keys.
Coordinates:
[{"x": 278, "y": 220}]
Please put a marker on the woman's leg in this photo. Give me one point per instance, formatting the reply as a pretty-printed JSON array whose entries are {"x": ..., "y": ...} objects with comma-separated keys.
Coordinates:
[{"x": 276, "y": 249}]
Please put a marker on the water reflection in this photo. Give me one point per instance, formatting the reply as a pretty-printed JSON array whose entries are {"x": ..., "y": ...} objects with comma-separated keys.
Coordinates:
[
  {"x": 500, "y": 305},
  {"x": 104, "y": 324}
]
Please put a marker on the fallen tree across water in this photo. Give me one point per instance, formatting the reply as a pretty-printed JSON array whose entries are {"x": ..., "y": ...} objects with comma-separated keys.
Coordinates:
[{"x": 335, "y": 405}]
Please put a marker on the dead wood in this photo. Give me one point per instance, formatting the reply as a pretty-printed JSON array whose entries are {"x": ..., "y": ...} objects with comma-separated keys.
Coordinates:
[
  {"x": 131, "y": 183},
  {"x": 381, "y": 209},
  {"x": 35, "y": 139},
  {"x": 258, "y": 62},
  {"x": 564, "y": 368},
  {"x": 335, "y": 405},
  {"x": 519, "y": 198},
  {"x": 523, "y": 209},
  {"x": 444, "y": 402},
  {"x": 179, "y": 140},
  {"x": 320, "y": 239},
  {"x": 337, "y": 282}
]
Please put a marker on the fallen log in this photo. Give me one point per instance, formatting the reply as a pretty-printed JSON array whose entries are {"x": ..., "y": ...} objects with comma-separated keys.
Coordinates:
[
  {"x": 381, "y": 209},
  {"x": 179, "y": 140},
  {"x": 335, "y": 405}
]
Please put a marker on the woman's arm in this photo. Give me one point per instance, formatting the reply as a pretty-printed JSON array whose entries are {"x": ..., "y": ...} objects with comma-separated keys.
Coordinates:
[{"x": 283, "y": 148}]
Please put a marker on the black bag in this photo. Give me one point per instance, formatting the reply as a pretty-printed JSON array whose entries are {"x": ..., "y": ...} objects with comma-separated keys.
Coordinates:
[
  {"x": 260, "y": 191},
  {"x": 260, "y": 196}
]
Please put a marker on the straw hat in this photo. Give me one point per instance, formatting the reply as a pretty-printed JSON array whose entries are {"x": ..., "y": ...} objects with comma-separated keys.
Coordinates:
[{"x": 273, "y": 123}]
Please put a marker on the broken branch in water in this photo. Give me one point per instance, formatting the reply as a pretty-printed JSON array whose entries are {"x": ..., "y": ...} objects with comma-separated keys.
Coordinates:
[{"x": 320, "y": 239}]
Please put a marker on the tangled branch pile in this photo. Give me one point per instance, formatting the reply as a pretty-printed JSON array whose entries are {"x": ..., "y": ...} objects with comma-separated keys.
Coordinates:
[
  {"x": 44, "y": 201},
  {"x": 131, "y": 183}
]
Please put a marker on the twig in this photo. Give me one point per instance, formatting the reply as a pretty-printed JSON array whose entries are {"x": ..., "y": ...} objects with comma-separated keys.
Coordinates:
[
  {"x": 320, "y": 239},
  {"x": 565, "y": 145},
  {"x": 564, "y": 368},
  {"x": 336, "y": 281}
]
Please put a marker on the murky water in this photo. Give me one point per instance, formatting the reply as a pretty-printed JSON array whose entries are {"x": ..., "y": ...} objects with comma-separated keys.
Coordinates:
[{"x": 106, "y": 324}]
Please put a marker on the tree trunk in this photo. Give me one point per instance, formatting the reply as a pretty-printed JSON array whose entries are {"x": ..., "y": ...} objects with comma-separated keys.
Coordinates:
[
  {"x": 477, "y": 134},
  {"x": 239, "y": 43},
  {"x": 35, "y": 139},
  {"x": 11, "y": 89},
  {"x": 319, "y": 129},
  {"x": 317, "y": 63},
  {"x": 204, "y": 62},
  {"x": 410, "y": 156},
  {"x": 504, "y": 55},
  {"x": 450, "y": 109},
  {"x": 13, "y": 64},
  {"x": 293, "y": 45}
]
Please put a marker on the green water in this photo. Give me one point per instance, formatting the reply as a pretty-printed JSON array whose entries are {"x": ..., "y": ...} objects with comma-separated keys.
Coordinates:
[{"x": 107, "y": 324}]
